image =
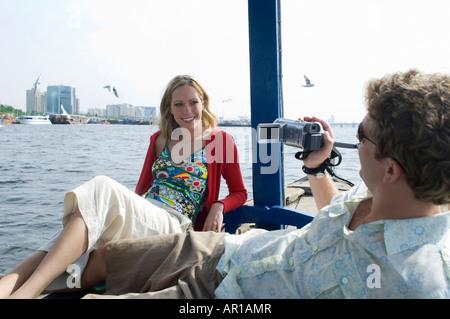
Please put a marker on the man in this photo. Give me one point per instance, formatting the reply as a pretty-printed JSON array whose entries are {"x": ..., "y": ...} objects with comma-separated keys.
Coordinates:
[{"x": 386, "y": 238}]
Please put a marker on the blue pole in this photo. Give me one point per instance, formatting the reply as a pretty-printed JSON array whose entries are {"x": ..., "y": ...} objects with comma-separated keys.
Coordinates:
[
  {"x": 266, "y": 97},
  {"x": 266, "y": 105}
]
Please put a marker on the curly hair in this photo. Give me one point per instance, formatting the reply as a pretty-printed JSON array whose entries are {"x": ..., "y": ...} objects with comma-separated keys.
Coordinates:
[
  {"x": 167, "y": 123},
  {"x": 412, "y": 125}
]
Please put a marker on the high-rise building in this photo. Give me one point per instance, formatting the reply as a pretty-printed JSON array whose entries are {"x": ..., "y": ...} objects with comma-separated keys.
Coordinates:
[
  {"x": 76, "y": 109},
  {"x": 36, "y": 101},
  {"x": 58, "y": 95}
]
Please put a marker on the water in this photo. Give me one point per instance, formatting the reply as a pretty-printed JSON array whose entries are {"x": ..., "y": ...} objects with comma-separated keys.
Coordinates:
[{"x": 39, "y": 164}]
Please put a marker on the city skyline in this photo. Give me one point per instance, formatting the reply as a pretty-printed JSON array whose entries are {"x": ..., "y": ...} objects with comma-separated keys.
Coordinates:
[
  {"x": 138, "y": 46},
  {"x": 55, "y": 100},
  {"x": 39, "y": 101}
]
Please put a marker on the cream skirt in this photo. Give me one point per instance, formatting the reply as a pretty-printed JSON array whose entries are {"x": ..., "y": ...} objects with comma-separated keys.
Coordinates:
[{"x": 111, "y": 211}]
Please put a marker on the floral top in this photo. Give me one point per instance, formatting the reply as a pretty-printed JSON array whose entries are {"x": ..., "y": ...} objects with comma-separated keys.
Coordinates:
[{"x": 180, "y": 186}]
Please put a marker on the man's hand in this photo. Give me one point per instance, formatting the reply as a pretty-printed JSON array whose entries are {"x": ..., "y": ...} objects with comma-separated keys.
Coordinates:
[
  {"x": 316, "y": 158},
  {"x": 323, "y": 189}
]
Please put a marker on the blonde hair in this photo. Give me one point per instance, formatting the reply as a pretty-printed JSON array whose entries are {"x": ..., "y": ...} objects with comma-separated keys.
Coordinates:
[
  {"x": 167, "y": 123},
  {"x": 411, "y": 113}
]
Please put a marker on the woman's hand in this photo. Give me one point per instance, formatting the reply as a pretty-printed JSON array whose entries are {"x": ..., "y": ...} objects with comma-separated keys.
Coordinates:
[
  {"x": 316, "y": 158},
  {"x": 214, "y": 220}
]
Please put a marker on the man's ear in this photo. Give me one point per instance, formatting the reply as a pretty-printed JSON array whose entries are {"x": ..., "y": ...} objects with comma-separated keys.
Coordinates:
[{"x": 393, "y": 171}]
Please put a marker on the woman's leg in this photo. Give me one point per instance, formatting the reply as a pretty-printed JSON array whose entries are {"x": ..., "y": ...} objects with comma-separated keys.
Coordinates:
[
  {"x": 110, "y": 211},
  {"x": 70, "y": 245},
  {"x": 19, "y": 274}
]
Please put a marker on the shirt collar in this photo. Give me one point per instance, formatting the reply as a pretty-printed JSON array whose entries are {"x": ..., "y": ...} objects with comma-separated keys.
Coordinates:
[
  {"x": 403, "y": 234},
  {"x": 399, "y": 234},
  {"x": 347, "y": 202}
]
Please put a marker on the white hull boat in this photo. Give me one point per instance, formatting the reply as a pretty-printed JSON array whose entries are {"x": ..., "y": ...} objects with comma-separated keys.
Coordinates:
[{"x": 35, "y": 119}]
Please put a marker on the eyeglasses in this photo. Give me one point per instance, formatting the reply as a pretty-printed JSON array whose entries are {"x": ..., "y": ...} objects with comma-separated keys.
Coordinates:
[{"x": 362, "y": 136}]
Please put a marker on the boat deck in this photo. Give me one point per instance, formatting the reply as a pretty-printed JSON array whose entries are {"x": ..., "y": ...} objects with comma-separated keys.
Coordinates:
[{"x": 298, "y": 195}]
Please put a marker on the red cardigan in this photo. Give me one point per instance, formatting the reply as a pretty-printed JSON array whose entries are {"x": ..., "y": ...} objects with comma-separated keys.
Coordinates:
[{"x": 219, "y": 163}]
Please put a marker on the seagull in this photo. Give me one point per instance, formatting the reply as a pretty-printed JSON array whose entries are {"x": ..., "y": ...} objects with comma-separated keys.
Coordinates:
[
  {"x": 111, "y": 89},
  {"x": 308, "y": 82}
]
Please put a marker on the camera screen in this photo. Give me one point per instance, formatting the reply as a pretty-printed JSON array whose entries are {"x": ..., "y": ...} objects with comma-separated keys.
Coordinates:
[{"x": 268, "y": 133}]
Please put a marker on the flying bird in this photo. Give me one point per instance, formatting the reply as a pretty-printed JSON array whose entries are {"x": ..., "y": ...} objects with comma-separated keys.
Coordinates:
[
  {"x": 308, "y": 82},
  {"x": 112, "y": 89}
]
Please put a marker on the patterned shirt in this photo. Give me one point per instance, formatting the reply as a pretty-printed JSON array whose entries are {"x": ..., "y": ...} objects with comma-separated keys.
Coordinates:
[
  {"x": 180, "y": 186},
  {"x": 407, "y": 258}
]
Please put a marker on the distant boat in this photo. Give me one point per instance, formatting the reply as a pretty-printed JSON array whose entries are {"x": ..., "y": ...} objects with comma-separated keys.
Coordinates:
[
  {"x": 63, "y": 118},
  {"x": 35, "y": 119},
  {"x": 234, "y": 122}
]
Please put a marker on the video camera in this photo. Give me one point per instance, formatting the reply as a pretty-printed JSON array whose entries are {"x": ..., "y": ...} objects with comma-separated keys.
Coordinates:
[
  {"x": 305, "y": 135},
  {"x": 301, "y": 134}
]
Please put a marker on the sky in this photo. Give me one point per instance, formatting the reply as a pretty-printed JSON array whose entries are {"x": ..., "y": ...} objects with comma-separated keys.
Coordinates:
[{"x": 139, "y": 45}]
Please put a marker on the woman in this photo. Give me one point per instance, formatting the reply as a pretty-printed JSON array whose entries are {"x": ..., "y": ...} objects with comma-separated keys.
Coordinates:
[
  {"x": 179, "y": 187},
  {"x": 185, "y": 113}
]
